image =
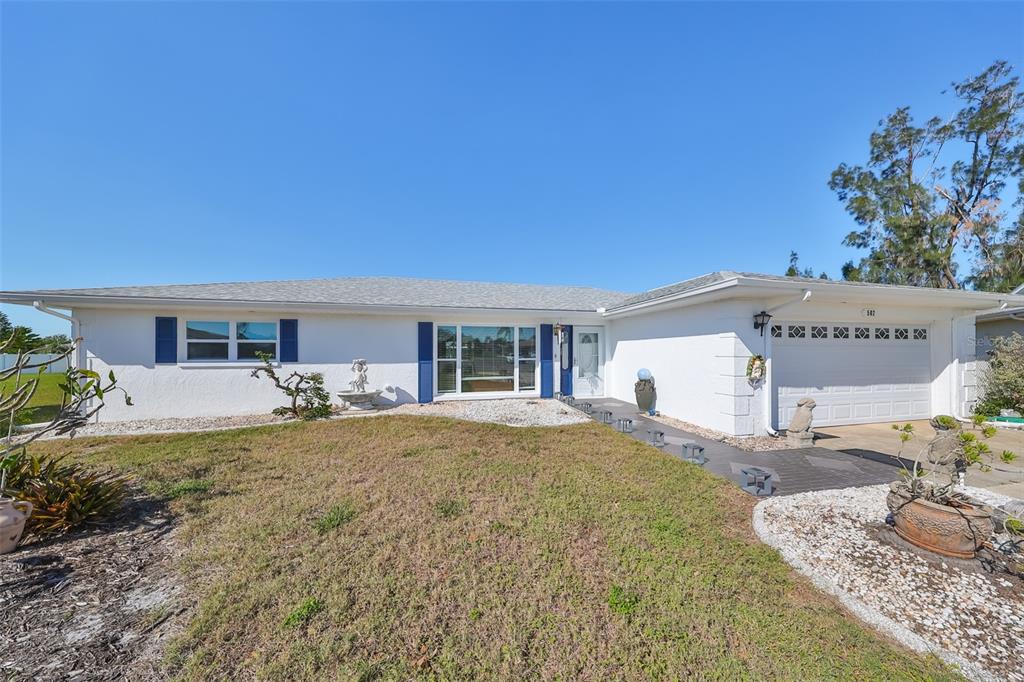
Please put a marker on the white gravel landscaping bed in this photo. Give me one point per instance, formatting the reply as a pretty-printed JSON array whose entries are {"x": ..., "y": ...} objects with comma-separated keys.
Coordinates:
[
  {"x": 139, "y": 427},
  {"x": 508, "y": 411},
  {"x": 511, "y": 411},
  {"x": 952, "y": 608},
  {"x": 746, "y": 443}
]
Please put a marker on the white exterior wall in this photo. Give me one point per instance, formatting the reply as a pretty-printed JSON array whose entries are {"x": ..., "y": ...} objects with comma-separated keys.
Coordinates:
[
  {"x": 698, "y": 355},
  {"x": 124, "y": 341}
]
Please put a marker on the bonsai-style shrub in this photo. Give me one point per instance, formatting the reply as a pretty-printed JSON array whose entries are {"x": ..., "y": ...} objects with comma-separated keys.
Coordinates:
[
  {"x": 64, "y": 496},
  {"x": 1002, "y": 383},
  {"x": 309, "y": 399},
  {"x": 951, "y": 452},
  {"x": 928, "y": 508}
]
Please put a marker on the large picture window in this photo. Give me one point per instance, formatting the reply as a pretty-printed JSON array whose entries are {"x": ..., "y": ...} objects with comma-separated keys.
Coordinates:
[
  {"x": 208, "y": 340},
  {"x": 486, "y": 359}
]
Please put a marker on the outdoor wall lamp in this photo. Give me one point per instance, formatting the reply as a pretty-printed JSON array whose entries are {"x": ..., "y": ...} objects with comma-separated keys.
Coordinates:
[{"x": 761, "y": 320}]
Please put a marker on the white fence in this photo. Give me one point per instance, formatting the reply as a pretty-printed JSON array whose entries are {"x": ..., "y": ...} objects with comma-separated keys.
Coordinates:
[{"x": 7, "y": 360}]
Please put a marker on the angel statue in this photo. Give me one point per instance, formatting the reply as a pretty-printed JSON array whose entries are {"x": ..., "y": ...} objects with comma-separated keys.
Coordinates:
[{"x": 359, "y": 369}]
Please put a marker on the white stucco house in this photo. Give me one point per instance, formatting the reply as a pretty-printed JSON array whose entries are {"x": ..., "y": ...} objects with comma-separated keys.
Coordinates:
[{"x": 864, "y": 352}]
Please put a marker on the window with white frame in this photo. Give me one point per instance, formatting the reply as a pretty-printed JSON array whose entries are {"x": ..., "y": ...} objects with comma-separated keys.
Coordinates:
[
  {"x": 486, "y": 358},
  {"x": 207, "y": 340},
  {"x": 256, "y": 337},
  {"x": 447, "y": 358},
  {"x": 213, "y": 340}
]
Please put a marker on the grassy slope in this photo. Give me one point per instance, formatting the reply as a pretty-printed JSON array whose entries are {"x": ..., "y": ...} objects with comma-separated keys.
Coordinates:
[
  {"x": 44, "y": 403},
  {"x": 481, "y": 551}
]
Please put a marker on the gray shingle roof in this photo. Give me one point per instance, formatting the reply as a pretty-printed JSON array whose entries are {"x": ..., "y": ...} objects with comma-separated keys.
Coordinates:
[
  {"x": 384, "y": 291},
  {"x": 677, "y": 288},
  {"x": 429, "y": 293}
]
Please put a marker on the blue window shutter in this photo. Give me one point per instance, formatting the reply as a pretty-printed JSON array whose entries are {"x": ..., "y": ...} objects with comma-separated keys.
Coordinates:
[
  {"x": 426, "y": 361},
  {"x": 289, "y": 350},
  {"x": 166, "y": 339},
  {"x": 547, "y": 376}
]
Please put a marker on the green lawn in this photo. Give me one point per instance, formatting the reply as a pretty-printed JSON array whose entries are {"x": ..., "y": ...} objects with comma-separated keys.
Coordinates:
[
  {"x": 416, "y": 547},
  {"x": 44, "y": 403}
]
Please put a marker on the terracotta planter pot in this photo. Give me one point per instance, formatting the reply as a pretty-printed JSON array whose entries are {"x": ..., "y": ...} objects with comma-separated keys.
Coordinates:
[
  {"x": 952, "y": 531},
  {"x": 13, "y": 515}
]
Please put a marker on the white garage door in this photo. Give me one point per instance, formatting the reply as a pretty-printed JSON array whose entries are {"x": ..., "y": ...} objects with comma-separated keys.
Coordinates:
[{"x": 857, "y": 373}]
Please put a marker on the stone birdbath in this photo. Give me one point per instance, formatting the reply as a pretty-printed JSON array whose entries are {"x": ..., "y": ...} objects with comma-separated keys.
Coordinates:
[{"x": 358, "y": 398}]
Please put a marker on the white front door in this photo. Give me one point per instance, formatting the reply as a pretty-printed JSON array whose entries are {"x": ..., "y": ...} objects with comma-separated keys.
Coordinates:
[{"x": 588, "y": 362}]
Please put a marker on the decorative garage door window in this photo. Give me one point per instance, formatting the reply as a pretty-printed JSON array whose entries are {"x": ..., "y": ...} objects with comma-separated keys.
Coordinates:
[{"x": 832, "y": 333}]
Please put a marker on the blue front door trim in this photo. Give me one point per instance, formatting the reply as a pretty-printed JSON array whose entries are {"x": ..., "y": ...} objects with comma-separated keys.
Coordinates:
[
  {"x": 547, "y": 374},
  {"x": 426, "y": 361},
  {"x": 566, "y": 374}
]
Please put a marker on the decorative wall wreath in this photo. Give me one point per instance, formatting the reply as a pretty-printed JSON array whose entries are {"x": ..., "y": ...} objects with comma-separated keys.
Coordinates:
[{"x": 756, "y": 368}]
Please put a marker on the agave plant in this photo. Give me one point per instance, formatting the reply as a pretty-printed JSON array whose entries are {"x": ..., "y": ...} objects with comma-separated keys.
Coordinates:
[{"x": 64, "y": 495}]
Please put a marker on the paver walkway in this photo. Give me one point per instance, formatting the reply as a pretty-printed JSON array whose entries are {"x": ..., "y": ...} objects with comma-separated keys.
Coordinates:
[{"x": 794, "y": 471}]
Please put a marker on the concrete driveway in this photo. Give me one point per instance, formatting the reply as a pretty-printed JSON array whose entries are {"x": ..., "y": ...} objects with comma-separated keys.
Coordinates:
[{"x": 881, "y": 438}]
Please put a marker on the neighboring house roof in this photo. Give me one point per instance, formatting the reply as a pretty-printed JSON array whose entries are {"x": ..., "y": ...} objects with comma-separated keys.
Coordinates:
[
  {"x": 400, "y": 293},
  {"x": 358, "y": 291},
  {"x": 1007, "y": 314}
]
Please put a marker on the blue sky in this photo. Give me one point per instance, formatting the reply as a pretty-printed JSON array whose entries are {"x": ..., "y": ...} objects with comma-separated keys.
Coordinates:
[{"x": 621, "y": 145}]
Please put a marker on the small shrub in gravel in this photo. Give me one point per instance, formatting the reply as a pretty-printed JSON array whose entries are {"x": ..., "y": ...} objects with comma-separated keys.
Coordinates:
[{"x": 309, "y": 399}]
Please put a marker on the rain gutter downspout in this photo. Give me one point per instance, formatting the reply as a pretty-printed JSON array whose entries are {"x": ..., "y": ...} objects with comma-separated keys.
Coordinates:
[
  {"x": 76, "y": 325},
  {"x": 768, "y": 379}
]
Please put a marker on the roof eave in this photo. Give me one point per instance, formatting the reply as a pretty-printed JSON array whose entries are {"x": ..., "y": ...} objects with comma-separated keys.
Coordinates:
[
  {"x": 829, "y": 290},
  {"x": 948, "y": 298},
  {"x": 71, "y": 301}
]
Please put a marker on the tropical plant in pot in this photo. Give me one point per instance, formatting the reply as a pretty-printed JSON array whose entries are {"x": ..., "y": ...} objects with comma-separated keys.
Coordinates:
[
  {"x": 928, "y": 508},
  {"x": 55, "y": 496}
]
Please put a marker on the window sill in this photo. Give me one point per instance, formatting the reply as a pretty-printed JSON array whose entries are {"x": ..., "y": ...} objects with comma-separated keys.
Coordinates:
[
  {"x": 492, "y": 395},
  {"x": 223, "y": 364}
]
